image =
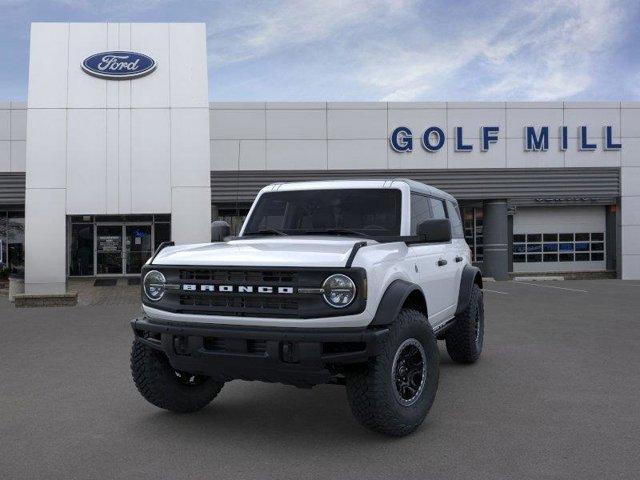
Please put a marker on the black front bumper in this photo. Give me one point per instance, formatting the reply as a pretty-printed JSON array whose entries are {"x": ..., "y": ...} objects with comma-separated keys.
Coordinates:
[{"x": 301, "y": 357}]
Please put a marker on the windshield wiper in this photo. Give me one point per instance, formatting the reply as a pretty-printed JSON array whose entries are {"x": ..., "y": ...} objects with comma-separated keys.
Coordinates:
[
  {"x": 268, "y": 231},
  {"x": 336, "y": 231}
]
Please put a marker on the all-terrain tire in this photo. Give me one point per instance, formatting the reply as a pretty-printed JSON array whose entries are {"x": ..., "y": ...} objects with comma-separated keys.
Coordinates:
[
  {"x": 160, "y": 384},
  {"x": 372, "y": 387},
  {"x": 465, "y": 338}
]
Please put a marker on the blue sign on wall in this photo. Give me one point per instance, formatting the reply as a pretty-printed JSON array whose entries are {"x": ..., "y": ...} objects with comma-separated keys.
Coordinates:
[
  {"x": 118, "y": 65},
  {"x": 535, "y": 139}
]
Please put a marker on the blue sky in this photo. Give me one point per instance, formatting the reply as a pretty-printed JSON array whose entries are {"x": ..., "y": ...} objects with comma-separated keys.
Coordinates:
[{"x": 363, "y": 50}]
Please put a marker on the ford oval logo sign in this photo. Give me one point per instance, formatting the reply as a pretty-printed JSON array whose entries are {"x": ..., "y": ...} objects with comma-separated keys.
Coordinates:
[{"x": 118, "y": 65}]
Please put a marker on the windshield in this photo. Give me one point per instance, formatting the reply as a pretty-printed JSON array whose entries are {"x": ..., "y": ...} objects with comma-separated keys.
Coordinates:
[{"x": 362, "y": 212}]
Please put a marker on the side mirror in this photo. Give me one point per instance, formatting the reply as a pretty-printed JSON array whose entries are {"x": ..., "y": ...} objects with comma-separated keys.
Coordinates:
[
  {"x": 435, "y": 230},
  {"x": 219, "y": 230}
]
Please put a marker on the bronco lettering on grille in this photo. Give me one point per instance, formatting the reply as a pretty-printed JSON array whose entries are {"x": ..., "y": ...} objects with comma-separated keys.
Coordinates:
[{"x": 191, "y": 287}]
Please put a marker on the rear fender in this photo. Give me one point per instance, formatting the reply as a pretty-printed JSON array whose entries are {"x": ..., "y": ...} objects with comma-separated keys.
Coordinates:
[{"x": 470, "y": 276}]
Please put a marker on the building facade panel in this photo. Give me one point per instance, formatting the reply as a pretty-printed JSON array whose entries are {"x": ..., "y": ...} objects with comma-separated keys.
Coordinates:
[
  {"x": 47, "y": 148},
  {"x": 86, "y": 180},
  {"x": 48, "y": 62},
  {"x": 152, "y": 91},
  {"x": 82, "y": 90},
  {"x": 364, "y": 124},
  {"x": 296, "y": 124}
]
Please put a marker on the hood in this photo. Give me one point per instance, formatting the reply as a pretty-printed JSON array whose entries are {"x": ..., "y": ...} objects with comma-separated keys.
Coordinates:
[{"x": 304, "y": 251}]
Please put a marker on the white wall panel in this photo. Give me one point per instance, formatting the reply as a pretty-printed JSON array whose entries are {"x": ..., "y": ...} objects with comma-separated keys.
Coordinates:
[
  {"x": 592, "y": 118},
  {"x": 517, "y": 157},
  {"x": 124, "y": 161},
  {"x": 630, "y": 211},
  {"x": 5, "y": 124},
  {"x": 18, "y": 124},
  {"x": 630, "y": 181},
  {"x": 630, "y": 239},
  {"x": 417, "y": 159},
  {"x": 150, "y": 161},
  {"x": 518, "y": 118},
  {"x": 47, "y": 148},
  {"x": 190, "y": 165},
  {"x": 630, "y": 268},
  {"x": 630, "y": 120},
  {"x": 471, "y": 119},
  {"x": 356, "y": 124},
  {"x": 5, "y": 156},
  {"x": 630, "y": 153},
  {"x": 237, "y": 124},
  {"x": 124, "y": 86},
  {"x": 495, "y": 157},
  {"x": 296, "y": 124},
  {"x": 112, "y": 162},
  {"x": 48, "y": 62},
  {"x": 188, "y": 53},
  {"x": 113, "y": 43},
  {"x": 224, "y": 154},
  {"x": 86, "y": 91},
  {"x": 152, "y": 91},
  {"x": 191, "y": 215},
  {"x": 45, "y": 241},
  {"x": 86, "y": 161},
  {"x": 418, "y": 120},
  {"x": 357, "y": 154},
  {"x": 253, "y": 155},
  {"x": 598, "y": 158},
  {"x": 296, "y": 154},
  {"x": 18, "y": 156}
]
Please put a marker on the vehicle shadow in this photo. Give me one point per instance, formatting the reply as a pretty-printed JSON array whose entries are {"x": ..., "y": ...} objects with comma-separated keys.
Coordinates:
[{"x": 271, "y": 412}]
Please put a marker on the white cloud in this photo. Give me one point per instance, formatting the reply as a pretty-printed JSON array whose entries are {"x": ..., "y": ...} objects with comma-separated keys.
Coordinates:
[
  {"x": 248, "y": 33},
  {"x": 546, "y": 51}
]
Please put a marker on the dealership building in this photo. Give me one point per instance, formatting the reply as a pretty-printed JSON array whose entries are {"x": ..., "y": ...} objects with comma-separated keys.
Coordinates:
[{"x": 118, "y": 148}]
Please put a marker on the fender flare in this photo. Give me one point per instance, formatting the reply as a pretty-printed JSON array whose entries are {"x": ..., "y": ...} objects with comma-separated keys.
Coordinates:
[
  {"x": 470, "y": 275},
  {"x": 392, "y": 301}
]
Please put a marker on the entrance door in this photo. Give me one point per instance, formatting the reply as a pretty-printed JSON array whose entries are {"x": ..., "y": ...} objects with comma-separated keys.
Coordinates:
[
  {"x": 109, "y": 258},
  {"x": 138, "y": 247}
]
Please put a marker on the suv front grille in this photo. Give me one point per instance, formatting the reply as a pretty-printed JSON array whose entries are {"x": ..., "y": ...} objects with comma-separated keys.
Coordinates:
[{"x": 241, "y": 292}]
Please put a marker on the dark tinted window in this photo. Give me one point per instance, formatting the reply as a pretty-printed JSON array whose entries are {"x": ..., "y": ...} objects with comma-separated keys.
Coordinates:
[
  {"x": 419, "y": 211},
  {"x": 375, "y": 212},
  {"x": 456, "y": 222},
  {"x": 437, "y": 207}
]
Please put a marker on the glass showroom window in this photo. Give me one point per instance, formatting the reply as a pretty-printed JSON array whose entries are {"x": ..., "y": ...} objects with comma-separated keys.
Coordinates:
[
  {"x": 558, "y": 247},
  {"x": 12, "y": 242},
  {"x": 472, "y": 222},
  {"x": 234, "y": 217}
]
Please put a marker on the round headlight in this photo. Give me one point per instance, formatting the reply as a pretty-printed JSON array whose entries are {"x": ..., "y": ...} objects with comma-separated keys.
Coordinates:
[
  {"x": 153, "y": 285},
  {"x": 338, "y": 290}
]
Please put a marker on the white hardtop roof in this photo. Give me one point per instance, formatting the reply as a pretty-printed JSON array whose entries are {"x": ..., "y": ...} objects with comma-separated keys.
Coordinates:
[{"x": 413, "y": 185}]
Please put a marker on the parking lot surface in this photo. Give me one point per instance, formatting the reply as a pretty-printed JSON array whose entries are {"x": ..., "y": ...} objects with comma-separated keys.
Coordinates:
[{"x": 556, "y": 394}]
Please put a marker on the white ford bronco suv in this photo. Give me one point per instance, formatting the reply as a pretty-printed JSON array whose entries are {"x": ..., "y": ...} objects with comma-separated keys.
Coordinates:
[{"x": 343, "y": 282}]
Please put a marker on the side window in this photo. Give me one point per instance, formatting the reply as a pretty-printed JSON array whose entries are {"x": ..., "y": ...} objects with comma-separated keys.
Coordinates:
[
  {"x": 437, "y": 206},
  {"x": 419, "y": 211},
  {"x": 456, "y": 222}
]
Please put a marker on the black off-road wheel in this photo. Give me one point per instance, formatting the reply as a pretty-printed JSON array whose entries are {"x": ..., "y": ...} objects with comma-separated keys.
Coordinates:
[
  {"x": 393, "y": 392},
  {"x": 163, "y": 386},
  {"x": 465, "y": 338}
]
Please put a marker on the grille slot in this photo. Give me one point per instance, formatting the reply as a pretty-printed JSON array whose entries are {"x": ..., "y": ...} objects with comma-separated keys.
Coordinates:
[
  {"x": 245, "y": 277},
  {"x": 218, "y": 344}
]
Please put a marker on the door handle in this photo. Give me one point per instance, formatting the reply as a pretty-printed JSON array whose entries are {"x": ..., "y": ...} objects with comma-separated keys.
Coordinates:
[
  {"x": 459, "y": 259},
  {"x": 442, "y": 262}
]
